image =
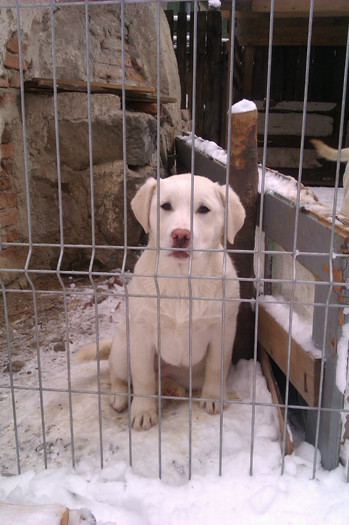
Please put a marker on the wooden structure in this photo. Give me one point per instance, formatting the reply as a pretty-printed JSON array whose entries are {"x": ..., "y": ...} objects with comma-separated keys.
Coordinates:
[
  {"x": 212, "y": 70},
  {"x": 291, "y": 18},
  {"x": 139, "y": 98},
  {"x": 330, "y": 301},
  {"x": 290, "y": 35},
  {"x": 50, "y": 514}
]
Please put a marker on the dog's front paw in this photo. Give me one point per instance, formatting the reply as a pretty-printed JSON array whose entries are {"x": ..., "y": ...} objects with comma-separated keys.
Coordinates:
[
  {"x": 119, "y": 403},
  {"x": 214, "y": 406},
  {"x": 144, "y": 414}
]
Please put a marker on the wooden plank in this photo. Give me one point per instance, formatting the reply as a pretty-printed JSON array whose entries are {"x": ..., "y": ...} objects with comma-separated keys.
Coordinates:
[
  {"x": 324, "y": 7},
  {"x": 304, "y": 367},
  {"x": 276, "y": 398},
  {"x": 254, "y": 31},
  {"x": 248, "y": 69},
  {"x": 330, "y": 421},
  {"x": 135, "y": 93}
]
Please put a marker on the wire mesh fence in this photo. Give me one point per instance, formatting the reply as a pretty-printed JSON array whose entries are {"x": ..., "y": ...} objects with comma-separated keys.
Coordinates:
[{"x": 57, "y": 410}]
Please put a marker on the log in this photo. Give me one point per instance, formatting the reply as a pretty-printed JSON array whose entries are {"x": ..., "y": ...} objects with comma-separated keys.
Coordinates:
[
  {"x": 12, "y": 514},
  {"x": 243, "y": 178},
  {"x": 31, "y": 514}
]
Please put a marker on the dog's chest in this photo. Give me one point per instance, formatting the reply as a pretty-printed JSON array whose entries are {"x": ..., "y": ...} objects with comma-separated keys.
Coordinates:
[{"x": 183, "y": 332}]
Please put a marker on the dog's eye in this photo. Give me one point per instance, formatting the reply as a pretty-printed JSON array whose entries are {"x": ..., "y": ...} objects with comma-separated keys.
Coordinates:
[
  {"x": 167, "y": 206},
  {"x": 203, "y": 209}
]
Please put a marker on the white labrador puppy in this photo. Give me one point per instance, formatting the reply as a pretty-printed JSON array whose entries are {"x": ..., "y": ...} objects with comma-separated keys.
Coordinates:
[
  {"x": 331, "y": 154},
  {"x": 185, "y": 249}
]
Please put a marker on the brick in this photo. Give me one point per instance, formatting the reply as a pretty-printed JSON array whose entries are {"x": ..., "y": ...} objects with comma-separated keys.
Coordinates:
[
  {"x": 6, "y": 166},
  {"x": 7, "y": 151},
  {"x": 14, "y": 78},
  {"x": 9, "y": 235},
  {"x": 8, "y": 252},
  {"x": 8, "y": 218},
  {"x": 13, "y": 46},
  {"x": 134, "y": 76},
  {"x": 6, "y": 135},
  {"x": 8, "y": 200},
  {"x": 106, "y": 71},
  {"x": 5, "y": 181},
  {"x": 4, "y": 83},
  {"x": 8, "y": 98},
  {"x": 12, "y": 62}
]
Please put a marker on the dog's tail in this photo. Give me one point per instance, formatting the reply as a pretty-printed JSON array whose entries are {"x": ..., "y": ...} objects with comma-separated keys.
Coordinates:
[
  {"x": 329, "y": 153},
  {"x": 89, "y": 352}
]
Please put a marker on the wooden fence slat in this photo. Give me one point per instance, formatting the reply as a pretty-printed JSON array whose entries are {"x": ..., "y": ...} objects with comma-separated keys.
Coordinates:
[
  {"x": 182, "y": 54},
  {"x": 212, "y": 70},
  {"x": 213, "y": 85},
  {"x": 170, "y": 19},
  {"x": 201, "y": 66}
]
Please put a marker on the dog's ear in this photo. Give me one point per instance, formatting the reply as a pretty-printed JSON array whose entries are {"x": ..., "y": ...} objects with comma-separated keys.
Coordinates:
[
  {"x": 140, "y": 203},
  {"x": 236, "y": 212}
]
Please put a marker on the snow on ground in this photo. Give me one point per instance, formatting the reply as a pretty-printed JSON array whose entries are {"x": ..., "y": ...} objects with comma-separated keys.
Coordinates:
[{"x": 120, "y": 494}]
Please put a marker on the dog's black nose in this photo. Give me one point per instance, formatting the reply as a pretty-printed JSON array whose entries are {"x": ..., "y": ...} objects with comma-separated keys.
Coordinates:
[{"x": 180, "y": 238}]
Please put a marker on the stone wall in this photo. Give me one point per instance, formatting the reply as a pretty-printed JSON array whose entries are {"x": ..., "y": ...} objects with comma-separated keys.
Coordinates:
[{"x": 105, "y": 62}]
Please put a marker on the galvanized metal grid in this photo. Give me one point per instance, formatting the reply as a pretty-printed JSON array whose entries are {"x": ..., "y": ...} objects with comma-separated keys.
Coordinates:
[{"x": 260, "y": 251}]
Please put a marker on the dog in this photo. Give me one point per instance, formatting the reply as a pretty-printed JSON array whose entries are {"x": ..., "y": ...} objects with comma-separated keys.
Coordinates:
[
  {"x": 332, "y": 154},
  {"x": 181, "y": 278}
]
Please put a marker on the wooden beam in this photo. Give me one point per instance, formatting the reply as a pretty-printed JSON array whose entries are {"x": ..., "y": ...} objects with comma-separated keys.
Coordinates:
[
  {"x": 243, "y": 178},
  {"x": 134, "y": 93},
  {"x": 12, "y": 514},
  {"x": 322, "y": 8},
  {"x": 304, "y": 367},
  {"x": 276, "y": 398},
  {"x": 294, "y": 7},
  {"x": 254, "y": 31}
]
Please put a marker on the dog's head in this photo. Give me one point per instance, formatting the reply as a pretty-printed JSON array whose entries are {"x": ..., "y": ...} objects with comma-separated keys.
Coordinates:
[{"x": 188, "y": 214}]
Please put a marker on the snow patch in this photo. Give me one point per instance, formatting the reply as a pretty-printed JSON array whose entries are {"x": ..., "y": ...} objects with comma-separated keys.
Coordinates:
[
  {"x": 301, "y": 330},
  {"x": 243, "y": 106},
  {"x": 342, "y": 378}
]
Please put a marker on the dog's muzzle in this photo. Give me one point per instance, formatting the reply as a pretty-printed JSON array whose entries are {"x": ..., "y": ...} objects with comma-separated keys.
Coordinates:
[{"x": 180, "y": 239}]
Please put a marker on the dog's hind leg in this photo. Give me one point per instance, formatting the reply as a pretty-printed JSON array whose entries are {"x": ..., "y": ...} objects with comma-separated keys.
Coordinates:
[
  {"x": 118, "y": 367},
  {"x": 212, "y": 387}
]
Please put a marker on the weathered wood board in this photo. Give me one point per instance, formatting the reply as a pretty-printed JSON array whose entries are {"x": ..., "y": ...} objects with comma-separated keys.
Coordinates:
[
  {"x": 304, "y": 367},
  {"x": 277, "y": 399}
]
